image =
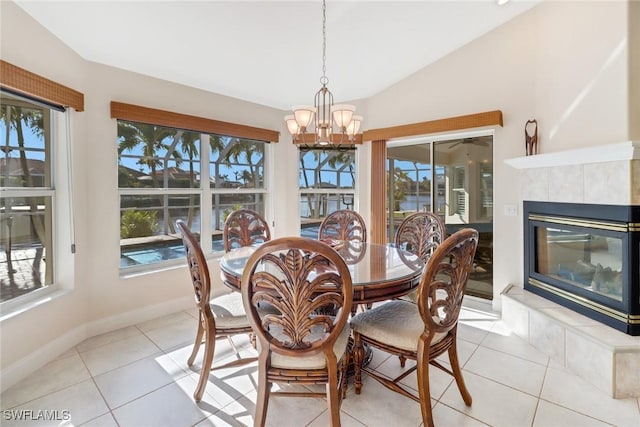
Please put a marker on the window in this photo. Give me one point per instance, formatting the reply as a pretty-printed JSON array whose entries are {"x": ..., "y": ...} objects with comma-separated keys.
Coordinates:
[
  {"x": 327, "y": 184},
  {"x": 27, "y": 197},
  {"x": 161, "y": 179}
]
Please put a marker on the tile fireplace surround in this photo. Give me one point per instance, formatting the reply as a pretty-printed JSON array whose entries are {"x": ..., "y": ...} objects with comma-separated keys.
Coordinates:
[{"x": 603, "y": 356}]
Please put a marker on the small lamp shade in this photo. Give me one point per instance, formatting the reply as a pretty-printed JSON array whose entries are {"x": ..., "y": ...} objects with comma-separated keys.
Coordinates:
[
  {"x": 342, "y": 114},
  {"x": 292, "y": 125},
  {"x": 303, "y": 115},
  {"x": 354, "y": 126}
]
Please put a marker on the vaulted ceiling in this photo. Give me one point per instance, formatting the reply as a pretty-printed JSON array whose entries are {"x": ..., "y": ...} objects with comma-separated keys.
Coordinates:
[{"x": 270, "y": 52}]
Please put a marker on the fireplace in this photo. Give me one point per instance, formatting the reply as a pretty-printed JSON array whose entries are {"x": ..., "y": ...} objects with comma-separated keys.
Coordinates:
[{"x": 585, "y": 257}]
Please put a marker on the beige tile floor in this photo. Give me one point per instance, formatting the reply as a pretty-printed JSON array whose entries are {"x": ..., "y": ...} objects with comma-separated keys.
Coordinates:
[{"x": 137, "y": 376}]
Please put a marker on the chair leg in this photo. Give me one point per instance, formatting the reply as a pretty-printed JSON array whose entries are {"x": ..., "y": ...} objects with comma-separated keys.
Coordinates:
[
  {"x": 344, "y": 379},
  {"x": 403, "y": 361},
  {"x": 333, "y": 396},
  {"x": 196, "y": 344},
  {"x": 424, "y": 391},
  {"x": 207, "y": 362},
  {"x": 262, "y": 401},
  {"x": 457, "y": 374},
  {"x": 358, "y": 358}
]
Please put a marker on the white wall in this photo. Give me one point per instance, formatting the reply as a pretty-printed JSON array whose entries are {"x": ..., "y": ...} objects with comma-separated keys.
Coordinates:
[
  {"x": 563, "y": 63},
  {"x": 582, "y": 74},
  {"x": 634, "y": 70}
]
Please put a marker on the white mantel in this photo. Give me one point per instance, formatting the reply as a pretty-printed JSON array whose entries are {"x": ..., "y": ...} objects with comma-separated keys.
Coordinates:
[
  {"x": 628, "y": 150},
  {"x": 604, "y": 174}
]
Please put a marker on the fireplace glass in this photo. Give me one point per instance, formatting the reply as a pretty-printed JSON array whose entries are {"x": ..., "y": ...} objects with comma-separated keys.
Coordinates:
[{"x": 587, "y": 260}]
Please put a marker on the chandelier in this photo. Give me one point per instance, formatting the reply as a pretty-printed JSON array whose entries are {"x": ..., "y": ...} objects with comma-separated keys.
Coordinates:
[{"x": 315, "y": 125}]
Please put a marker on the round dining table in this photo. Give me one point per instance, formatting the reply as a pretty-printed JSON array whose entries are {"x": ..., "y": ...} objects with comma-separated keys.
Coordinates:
[{"x": 378, "y": 272}]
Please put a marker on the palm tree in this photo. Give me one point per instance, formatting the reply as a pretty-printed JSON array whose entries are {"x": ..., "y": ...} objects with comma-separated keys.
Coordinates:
[
  {"x": 190, "y": 149},
  {"x": 15, "y": 117},
  {"x": 248, "y": 149},
  {"x": 218, "y": 144},
  {"x": 153, "y": 139},
  {"x": 342, "y": 159},
  {"x": 336, "y": 160},
  {"x": 313, "y": 210},
  {"x": 399, "y": 182},
  {"x": 150, "y": 137}
]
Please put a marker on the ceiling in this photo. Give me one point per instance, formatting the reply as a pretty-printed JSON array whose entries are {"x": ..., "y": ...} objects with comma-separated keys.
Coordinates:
[{"x": 270, "y": 52}]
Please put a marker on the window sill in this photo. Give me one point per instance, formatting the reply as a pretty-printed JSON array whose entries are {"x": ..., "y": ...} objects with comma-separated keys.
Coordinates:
[
  {"x": 142, "y": 270},
  {"x": 12, "y": 308}
]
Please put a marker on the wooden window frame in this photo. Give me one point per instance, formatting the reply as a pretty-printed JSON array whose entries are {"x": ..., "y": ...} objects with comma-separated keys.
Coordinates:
[
  {"x": 139, "y": 114},
  {"x": 30, "y": 84}
]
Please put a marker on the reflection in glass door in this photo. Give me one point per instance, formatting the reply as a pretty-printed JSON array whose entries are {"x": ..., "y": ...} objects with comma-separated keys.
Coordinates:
[{"x": 453, "y": 178}]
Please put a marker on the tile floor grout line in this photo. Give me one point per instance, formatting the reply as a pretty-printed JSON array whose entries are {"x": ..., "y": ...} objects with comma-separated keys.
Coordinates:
[
  {"x": 460, "y": 412},
  {"x": 518, "y": 356}
]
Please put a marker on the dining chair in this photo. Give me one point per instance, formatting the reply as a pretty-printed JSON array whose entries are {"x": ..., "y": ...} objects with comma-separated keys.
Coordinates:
[
  {"x": 244, "y": 227},
  {"x": 420, "y": 234},
  {"x": 424, "y": 330},
  {"x": 343, "y": 225},
  {"x": 307, "y": 341},
  {"x": 220, "y": 317}
]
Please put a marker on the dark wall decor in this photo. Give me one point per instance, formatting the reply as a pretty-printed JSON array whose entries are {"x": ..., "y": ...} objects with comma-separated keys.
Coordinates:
[{"x": 531, "y": 137}]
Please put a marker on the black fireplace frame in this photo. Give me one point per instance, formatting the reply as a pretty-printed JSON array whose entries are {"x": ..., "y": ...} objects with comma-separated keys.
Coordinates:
[{"x": 617, "y": 221}]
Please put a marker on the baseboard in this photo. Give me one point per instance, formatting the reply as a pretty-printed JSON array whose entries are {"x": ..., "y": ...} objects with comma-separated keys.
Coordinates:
[
  {"x": 133, "y": 317},
  {"x": 16, "y": 372}
]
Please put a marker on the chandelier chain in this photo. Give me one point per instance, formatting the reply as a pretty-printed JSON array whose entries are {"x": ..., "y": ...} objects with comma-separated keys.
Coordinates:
[
  {"x": 317, "y": 122},
  {"x": 324, "y": 80}
]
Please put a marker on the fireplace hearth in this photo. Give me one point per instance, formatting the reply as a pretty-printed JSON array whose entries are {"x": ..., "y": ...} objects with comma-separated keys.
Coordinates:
[{"x": 585, "y": 257}]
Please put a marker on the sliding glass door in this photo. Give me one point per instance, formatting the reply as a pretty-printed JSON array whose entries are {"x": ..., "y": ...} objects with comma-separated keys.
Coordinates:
[{"x": 454, "y": 178}]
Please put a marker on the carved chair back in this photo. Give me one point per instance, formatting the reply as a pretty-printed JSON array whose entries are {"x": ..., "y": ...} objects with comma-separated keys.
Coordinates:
[
  {"x": 217, "y": 318},
  {"x": 305, "y": 341},
  {"x": 199, "y": 271},
  {"x": 443, "y": 283},
  {"x": 244, "y": 227},
  {"x": 420, "y": 234},
  {"x": 343, "y": 225}
]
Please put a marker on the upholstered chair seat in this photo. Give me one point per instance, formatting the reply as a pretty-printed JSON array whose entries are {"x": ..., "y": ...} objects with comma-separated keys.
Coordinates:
[
  {"x": 316, "y": 361},
  {"x": 228, "y": 310},
  {"x": 396, "y": 323}
]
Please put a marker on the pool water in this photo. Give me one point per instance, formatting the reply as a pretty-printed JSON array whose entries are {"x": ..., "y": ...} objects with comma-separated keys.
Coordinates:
[{"x": 133, "y": 256}]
